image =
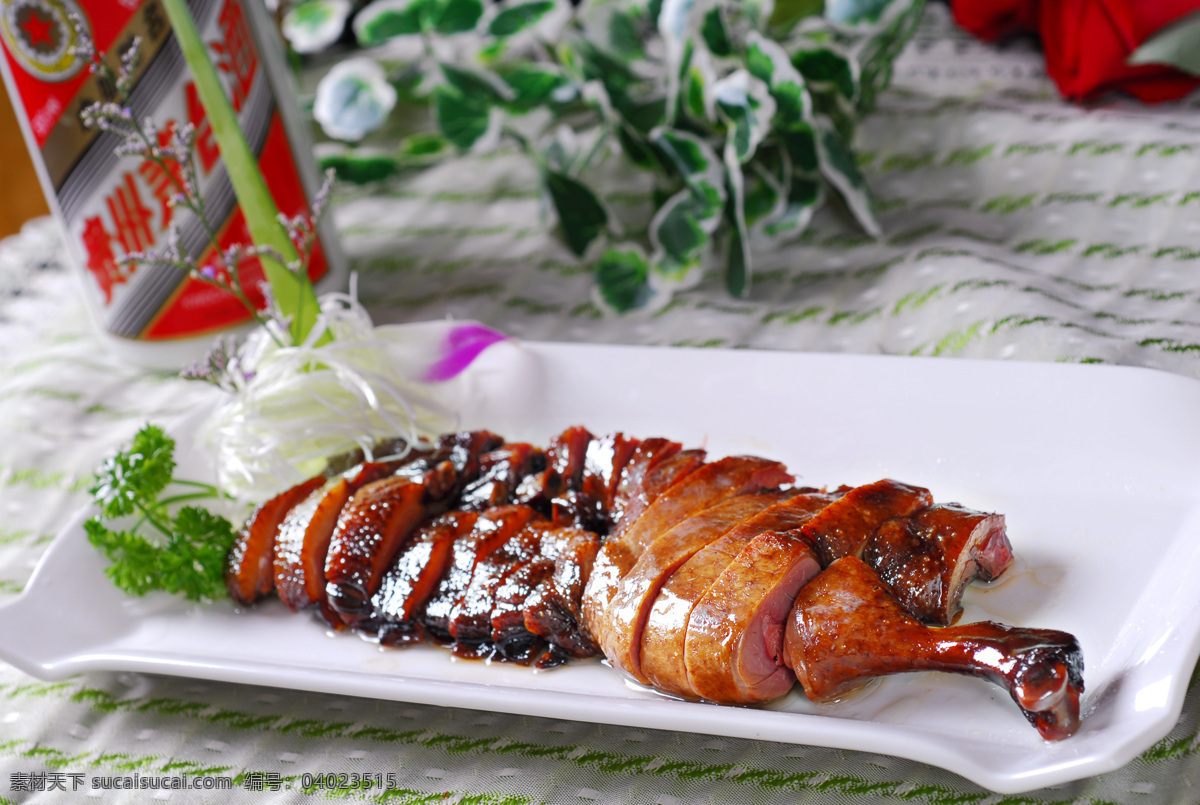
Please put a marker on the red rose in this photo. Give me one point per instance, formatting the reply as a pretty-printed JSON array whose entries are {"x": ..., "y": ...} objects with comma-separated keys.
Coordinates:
[
  {"x": 1088, "y": 42},
  {"x": 994, "y": 19}
]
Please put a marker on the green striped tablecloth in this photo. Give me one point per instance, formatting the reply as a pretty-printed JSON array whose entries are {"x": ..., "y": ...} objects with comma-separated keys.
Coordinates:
[{"x": 1017, "y": 228}]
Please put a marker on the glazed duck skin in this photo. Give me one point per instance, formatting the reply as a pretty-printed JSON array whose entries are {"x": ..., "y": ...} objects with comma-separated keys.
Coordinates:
[
  {"x": 613, "y": 614},
  {"x": 250, "y": 566},
  {"x": 554, "y": 609},
  {"x": 842, "y": 527},
  {"x": 370, "y": 530},
  {"x": 734, "y": 649},
  {"x": 413, "y": 577},
  {"x": 471, "y": 617},
  {"x": 303, "y": 539},
  {"x": 664, "y": 638},
  {"x": 490, "y": 531},
  {"x": 928, "y": 558},
  {"x": 500, "y": 472},
  {"x": 639, "y": 588},
  {"x": 379, "y": 517},
  {"x": 847, "y": 628}
]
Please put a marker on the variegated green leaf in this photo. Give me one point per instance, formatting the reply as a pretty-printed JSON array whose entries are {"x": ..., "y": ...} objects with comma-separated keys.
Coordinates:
[
  {"x": 746, "y": 106},
  {"x": 759, "y": 63},
  {"x": 313, "y": 25},
  {"x": 621, "y": 278},
  {"x": 697, "y": 98},
  {"x": 458, "y": 16},
  {"x": 356, "y": 168},
  {"x": 694, "y": 96},
  {"x": 387, "y": 19},
  {"x": 654, "y": 11},
  {"x": 623, "y": 36},
  {"x": 804, "y": 197},
  {"x": 789, "y": 12},
  {"x": 692, "y": 159},
  {"x": 800, "y": 140},
  {"x": 533, "y": 85},
  {"x": 880, "y": 50},
  {"x": 678, "y": 24},
  {"x": 636, "y": 148},
  {"x": 643, "y": 114},
  {"x": 680, "y": 233},
  {"x": 737, "y": 266},
  {"x": 716, "y": 34},
  {"x": 768, "y": 62},
  {"x": 763, "y": 194},
  {"x": 840, "y": 170},
  {"x": 423, "y": 147},
  {"x": 478, "y": 85},
  {"x": 513, "y": 19},
  {"x": 464, "y": 121},
  {"x": 828, "y": 69},
  {"x": 582, "y": 216}
]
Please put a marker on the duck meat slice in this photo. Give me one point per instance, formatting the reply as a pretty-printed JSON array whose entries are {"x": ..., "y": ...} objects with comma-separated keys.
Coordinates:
[
  {"x": 303, "y": 539},
  {"x": 380, "y": 516},
  {"x": 250, "y": 564},
  {"x": 646, "y": 477},
  {"x": 636, "y": 490},
  {"x": 734, "y": 649},
  {"x": 372, "y": 527},
  {"x": 608, "y": 624},
  {"x": 603, "y": 466},
  {"x": 638, "y": 588},
  {"x": 664, "y": 636},
  {"x": 491, "y": 530},
  {"x": 928, "y": 558},
  {"x": 413, "y": 577},
  {"x": 513, "y": 641},
  {"x": 500, "y": 472},
  {"x": 563, "y": 473},
  {"x": 471, "y": 616},
  {"x": 462, "y": 450},
  {"x": 553, "y": 609},
  {"x": 846, "y": 628},
  {"x": 843, "y": 527}
]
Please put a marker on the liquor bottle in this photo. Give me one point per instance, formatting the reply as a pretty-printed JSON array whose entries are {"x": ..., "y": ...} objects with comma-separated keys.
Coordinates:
[{"x": 109, "y": 206}]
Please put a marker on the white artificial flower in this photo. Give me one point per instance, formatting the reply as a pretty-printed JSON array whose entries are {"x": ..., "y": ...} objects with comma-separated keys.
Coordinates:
[
  {"x": 353, "y": 98},
  {"x": 313, "y": 25}
]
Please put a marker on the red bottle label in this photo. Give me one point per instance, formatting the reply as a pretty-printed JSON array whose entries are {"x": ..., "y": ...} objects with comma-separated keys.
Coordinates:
[{"x": 112, "y": 206}]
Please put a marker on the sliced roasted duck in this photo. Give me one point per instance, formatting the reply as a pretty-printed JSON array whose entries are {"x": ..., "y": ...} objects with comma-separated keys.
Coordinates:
[
  {"x": 303, "y": 539},
  {"x": 414, "y": 576},
  {"x": 379, "y": 517},
  {"x": 250, "y": 566},
  {"x": 491, "y": 531},
  {"x": 666, "y": 633},
  {"x": 554, "y": 609},
  {"x": 717, "y": 581},
  {"x": 614, "y": 607}
]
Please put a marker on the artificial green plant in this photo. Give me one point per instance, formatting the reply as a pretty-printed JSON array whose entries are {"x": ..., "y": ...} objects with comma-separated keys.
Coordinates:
[{"x": 744, "y": 111}]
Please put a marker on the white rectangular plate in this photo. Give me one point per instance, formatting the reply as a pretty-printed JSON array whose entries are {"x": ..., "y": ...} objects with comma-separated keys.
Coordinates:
[{"x": 1096, "y": 468}]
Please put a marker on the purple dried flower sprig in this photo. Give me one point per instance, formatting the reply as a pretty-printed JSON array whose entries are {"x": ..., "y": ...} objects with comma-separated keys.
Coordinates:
[{"x": 173, "y": 152}]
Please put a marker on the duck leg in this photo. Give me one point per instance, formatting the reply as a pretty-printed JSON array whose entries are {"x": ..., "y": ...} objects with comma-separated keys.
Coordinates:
[{"x": 846, "y": 628}]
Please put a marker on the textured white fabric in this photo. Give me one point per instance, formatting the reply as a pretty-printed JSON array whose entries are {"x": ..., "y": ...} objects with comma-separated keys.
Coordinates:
[{"x": 1017, "y": 228}]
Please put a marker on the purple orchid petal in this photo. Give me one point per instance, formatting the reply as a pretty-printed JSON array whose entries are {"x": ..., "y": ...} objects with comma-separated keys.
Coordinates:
[{"x": 461, "y": 347}]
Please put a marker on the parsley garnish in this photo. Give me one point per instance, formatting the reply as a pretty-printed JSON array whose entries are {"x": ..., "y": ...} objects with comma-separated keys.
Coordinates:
[{"x": 187, "y": 555}]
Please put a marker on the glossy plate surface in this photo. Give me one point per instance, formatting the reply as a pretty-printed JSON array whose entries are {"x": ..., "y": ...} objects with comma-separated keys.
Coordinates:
[{"x": 1096, "y": 468}]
